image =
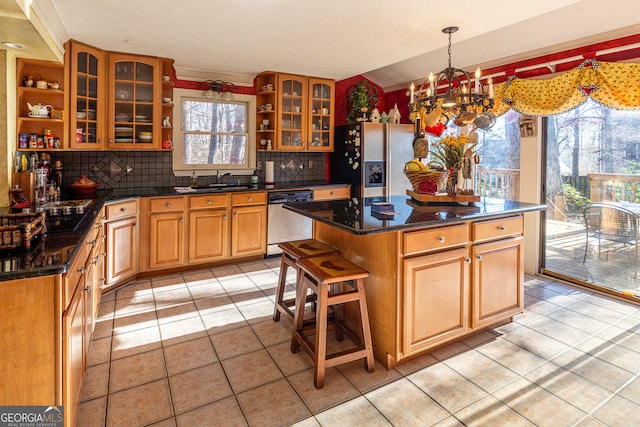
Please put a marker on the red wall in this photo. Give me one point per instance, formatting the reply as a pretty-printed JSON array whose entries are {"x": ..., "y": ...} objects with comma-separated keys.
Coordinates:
[{"x": 342, "y": 87}]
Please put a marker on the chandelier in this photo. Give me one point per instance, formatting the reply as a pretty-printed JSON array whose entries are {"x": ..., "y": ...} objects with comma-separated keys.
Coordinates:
[
  {"x": 218, "y": 89},
  {"x": 451, "y": 91}
]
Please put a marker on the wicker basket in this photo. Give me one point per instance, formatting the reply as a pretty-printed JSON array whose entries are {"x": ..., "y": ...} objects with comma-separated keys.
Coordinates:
[
  {"x": 416, "y": 177},
  {"x": 17, "y": 230}
]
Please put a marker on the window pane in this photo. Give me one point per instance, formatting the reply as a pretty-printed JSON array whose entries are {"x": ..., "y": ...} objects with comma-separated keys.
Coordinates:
[
  {"x": 201, "y": 116},
  {"x": 203, "y": 149}
]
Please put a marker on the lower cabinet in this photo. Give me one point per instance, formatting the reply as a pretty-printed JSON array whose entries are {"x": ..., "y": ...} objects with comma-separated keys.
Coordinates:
[
  {"x": 248, "y": 224},
  {"x": 73, "y": 354},
  {"x": 208, "y": 228},
  {"x": 166, "y": 240},
  {"x": 121, "y": 232},
  {"x": 442, "y": 277}
]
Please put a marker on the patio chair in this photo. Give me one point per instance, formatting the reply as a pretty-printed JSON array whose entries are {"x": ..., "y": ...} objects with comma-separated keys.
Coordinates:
[{"x": 610, "y": 222}]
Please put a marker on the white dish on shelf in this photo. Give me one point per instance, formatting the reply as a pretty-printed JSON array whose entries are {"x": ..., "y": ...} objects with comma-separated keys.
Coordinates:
[
  {"x": 39, "y": 116},
  {"x": 124, "y": 139}
]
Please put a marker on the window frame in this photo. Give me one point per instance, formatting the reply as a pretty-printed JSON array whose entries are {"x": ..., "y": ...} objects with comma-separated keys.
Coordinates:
[{"x": 181, "y": 169}]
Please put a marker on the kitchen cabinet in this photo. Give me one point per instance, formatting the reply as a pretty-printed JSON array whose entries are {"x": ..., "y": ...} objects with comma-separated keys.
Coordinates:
[
  {"x": 73, "y": 354},
  {"x": 166, "y": 232},
  {"x": 294, "y": 112},
  {"x": 121, "y": 232},
  {"x": 52, "y": 100},
  {"x": 248, "y": 224},
  {"x": 208, "y": 228},
  {"x": 86, "y": 69},
  {"x": 332, "y": 193}
]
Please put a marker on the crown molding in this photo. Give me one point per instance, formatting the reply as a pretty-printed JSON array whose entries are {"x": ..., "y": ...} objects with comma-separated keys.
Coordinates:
[{"x": 201, "y": 74}]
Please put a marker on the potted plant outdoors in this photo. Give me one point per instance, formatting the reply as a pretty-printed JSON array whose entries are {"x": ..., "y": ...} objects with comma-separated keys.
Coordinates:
[{"x": 362, "y": 98}]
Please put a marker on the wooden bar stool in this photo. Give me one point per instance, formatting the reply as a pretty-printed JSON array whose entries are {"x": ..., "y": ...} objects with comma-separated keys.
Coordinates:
[
  {"x": 291, "y": 252},
  {"x": 317, "y": 274}
]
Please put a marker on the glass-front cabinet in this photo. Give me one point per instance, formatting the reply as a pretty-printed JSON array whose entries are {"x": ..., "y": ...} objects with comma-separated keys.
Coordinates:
[
  {"x": 88, "y": 101},
  {"x": 321, "y": 99},
  {"x": 293, "y": 112},
  {"x": 135, "y": 91}
]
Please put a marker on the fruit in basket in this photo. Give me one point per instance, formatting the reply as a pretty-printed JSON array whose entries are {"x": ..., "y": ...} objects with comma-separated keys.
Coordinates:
[
  {"x": 427, "y": 186},
  {"x": 415, "y": 165}
]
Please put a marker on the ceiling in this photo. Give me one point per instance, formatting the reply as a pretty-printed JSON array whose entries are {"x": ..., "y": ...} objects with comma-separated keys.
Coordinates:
[{"x": 389, "y": 42}]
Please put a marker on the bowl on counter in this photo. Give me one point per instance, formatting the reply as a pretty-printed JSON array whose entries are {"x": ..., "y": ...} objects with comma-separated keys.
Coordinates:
[{"x": 83, "y": 187}]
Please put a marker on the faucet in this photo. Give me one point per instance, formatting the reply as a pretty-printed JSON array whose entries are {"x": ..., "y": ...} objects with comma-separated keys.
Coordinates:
[{"x": 219, "y": 177}]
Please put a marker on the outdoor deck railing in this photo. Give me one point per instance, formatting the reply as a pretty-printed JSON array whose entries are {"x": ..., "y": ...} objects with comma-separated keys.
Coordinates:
[
  {"x": 499, "y": 183},
  {"x": 614, "y": 187}
]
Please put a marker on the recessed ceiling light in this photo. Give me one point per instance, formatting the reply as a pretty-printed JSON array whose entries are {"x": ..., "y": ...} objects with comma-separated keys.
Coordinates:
[{"x": 13, "y": 45}]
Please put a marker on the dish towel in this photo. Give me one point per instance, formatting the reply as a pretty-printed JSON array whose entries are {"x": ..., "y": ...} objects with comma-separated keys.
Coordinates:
[{"x": 185, "y": 190}]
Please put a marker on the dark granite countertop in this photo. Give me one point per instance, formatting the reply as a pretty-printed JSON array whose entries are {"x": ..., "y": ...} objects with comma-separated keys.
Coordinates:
[
  {"x": 53, "y": 253},
  {"x": 355, "y": 216}
]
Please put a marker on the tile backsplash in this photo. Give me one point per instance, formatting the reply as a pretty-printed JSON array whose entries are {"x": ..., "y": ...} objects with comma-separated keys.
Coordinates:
[{"x": 142, "y": 169}]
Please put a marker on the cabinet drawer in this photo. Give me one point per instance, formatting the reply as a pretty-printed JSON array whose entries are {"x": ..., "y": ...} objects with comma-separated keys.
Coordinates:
[
  {"x": 121, "y": 210},
  {"x": 76, "y": 270},
  {"x": 415, "y": 242},
  {"x": 497, "y": 228},
  {"x": 208, "y": 201},
  {"x": 244, "y": 199},
  {"x": 166, "y": 204},
  {"x": 331, "y": 193}
]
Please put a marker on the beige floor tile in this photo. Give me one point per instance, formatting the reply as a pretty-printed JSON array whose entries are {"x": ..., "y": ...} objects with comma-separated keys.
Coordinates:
[
  {"x": 198, "y": 277},
  {"x": 447, "y": 387},
  {"x": 189, "y": 355},
  {"x": 182, "y": 330},
  {"x": 169, "y": 422},
  {"x": 351, "y": 413},
  {"x": 284, "y": 405},
  {"x": 511, "y": 356},
  {"x": 551, "y": 296},
  {"x": 226, "y": 271},
  {"x": 591, "y": 310},
  {"x": 618, "y": 411},
  {"x": 198, "y": 387},
  {"x": 200, "y": 290},
  {"x": 538, "y": 305},
  {"x": 590, "y": 422},
  {"x": 92, "y": 413},
  {"x": 595, "y": 370},
  {"x": 95, "y": 382},
  {"x": 237, "y": 341},
  {"x": 404, "y": 404},
  {"x": 631, "y": 391},
  {"x": 109, "y": 296},
  {"x": 623, "y": 337},
  {"x": 177, "y": 311},
  {"x": 251, "y": 370},
  {"x": 135, "y": 370},
  {"x": 617, "y": 355},
  {"x": 248, "y": 297},
  {"x": 414, "y": 365},
  {"x": 481, "y": 370},
  {"x": 572, "y": 388},
  {"x": 307, "y": 422},
  {"x": 140, "y": 405},
  {"x": 449, "y": 422},
  {"x": 138, "y": 288},
  {"x": 103, "y": 329},
  {"x": 538, "y": 405},
  {"x": 588, "y": 324},
  {"x": 222, "y": 321},
  {"x": 488, "y": 411},
  {"x": 237, "y": 283},
  {"x": 106, "y": 309},
  {"x": 167, "y": 282},
  {"x": 611, "y": 304},
  {"x": 335, "y": 391},
  {"x": 253, "y": 266},
  {"x": 134, "y": 321},
  {"x": 225, "y": 412},
  {"x": 558, "y": 331},
  {"x": 139, "y": 341},
  {"x": 167, "y": 297},
  {"x": 134, "y": 305},
  {"x": 536, "y": 342},
  {"x": 481, "y": 338},
  {"x": 289, "y": 363},
  {"x": 271, "y": 332},
  {"x": 450, "y": 350},
  {"x": 264, "y": 279},
  {"x": 214, "y": 304},
  {"x": 99, "y": 351},
  {"x": 365, "y": 381}
]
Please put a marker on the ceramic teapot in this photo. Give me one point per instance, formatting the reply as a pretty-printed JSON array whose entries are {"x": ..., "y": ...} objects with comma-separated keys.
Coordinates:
[{"x": 39, "y": 110}]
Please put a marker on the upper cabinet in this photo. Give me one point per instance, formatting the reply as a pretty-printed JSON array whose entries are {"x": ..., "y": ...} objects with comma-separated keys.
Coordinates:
[
  {"x": 41, "y": 99},
  {"x": 295, "y": 113},
  {"x": 88, "y": 103}
]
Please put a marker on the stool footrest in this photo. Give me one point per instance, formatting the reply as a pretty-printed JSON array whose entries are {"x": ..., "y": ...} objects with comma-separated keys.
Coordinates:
[{"x": 343, "y": 298}]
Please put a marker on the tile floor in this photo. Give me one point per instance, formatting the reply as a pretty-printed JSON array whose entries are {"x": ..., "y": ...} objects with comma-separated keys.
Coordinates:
[{"x": 200, "y": 349}]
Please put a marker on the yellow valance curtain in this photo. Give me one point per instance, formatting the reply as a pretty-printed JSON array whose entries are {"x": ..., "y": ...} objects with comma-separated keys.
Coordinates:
[{"x": 616, "y": 85}]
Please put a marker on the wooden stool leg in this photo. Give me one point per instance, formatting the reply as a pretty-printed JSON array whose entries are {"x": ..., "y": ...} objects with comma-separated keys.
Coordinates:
[
  {"x": 282, "y": 280},
  {"x": 298, "y": 316},
  {"x": 338, "y": 313},
  {"x": 321, "y": 335},
  {"x": 369, "y": 363}
]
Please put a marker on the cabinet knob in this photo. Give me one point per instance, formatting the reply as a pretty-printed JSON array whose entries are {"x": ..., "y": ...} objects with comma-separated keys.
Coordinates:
[
  {"x": 181, "y": 219},
  {"x": 135, "y": 224},
  {"x": 208, "y": 202},
  {"x": 479, "y": 257},
  {"x": 467, "y": 260},
  {"x": 87, "y": 289},
  {"x": 440, "y": 239},
  {"x": 100, "y": 140},
  {"x": 81, "y": 270},
  {"x": 168, "y": 205},
  {"x": 92, "y": 242},
  {"x": 235, "y": 214},
  {"x": 123, "y": 209},
  {"x": 224, "y": 217},
  {"x": 501, "y": 227},
  {"x": 104, "y": 254},
  {"x": 331, "y": 193},
  {"x": 249, "y": 198}
]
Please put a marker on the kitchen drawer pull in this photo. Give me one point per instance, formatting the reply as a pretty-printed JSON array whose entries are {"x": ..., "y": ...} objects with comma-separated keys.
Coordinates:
[
  {"x": 91, "y": 242},
  {"x": 501, "y": 227},
  {"x": 208, "y": 202},
  {"x": 168, "y": 205},
  {"x": 479, "y": 257},
  {"x": 123, "y": 209},
  {"x": 87, "y": 289},
  {"x": 467, "y": 260},
  {"x": 224, "y": 216},
  {"x": 81, "y": 270},
  {"x": 181, "y": 219},
  {"x": 249, "y": 199},
  {"x": 235, "y": 214},
  {"x": 440, "y": 239}
]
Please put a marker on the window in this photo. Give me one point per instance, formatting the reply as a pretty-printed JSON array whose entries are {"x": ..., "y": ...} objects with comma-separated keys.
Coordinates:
[{"x": 214, "y": 134}]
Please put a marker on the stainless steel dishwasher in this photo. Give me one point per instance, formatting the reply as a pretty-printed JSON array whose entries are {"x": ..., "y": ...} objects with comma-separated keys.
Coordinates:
[{"x": 284, "y": 225}]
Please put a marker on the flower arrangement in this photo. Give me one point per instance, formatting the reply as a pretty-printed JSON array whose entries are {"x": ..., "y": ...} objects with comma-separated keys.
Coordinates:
[{"x": 450, "y": 151}]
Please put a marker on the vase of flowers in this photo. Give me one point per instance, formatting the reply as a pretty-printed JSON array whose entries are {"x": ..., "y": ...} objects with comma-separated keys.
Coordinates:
[{"x": 456, "y": 155}]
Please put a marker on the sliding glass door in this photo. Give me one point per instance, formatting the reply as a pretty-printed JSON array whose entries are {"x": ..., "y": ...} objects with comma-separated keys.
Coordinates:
[{"x": 592, "y": 191}]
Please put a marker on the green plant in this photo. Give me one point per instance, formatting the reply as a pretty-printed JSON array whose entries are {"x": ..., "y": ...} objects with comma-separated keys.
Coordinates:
[
  {"x": 575, "y": 199},
  {"x": 363, "y": 95}
]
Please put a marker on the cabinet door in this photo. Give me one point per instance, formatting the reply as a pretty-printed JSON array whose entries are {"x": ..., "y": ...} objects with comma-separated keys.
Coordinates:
[
  {"x": 73, "y": 362},
  {"x": 166, "y": 240},
  {"x": 436, "y": 294},
  {"x": 498, "y": 281},
  {"x": 135, "y": 104},
  {"x": 122, "y": 250},
  {"x": 208, "y": 235},
  {"x": 87, "y": 112},
  {"x": 321, "y": 106},
  {"x": 292, "y": 112},
  {"x": 99, "y": 274},
  {"x": 88, "y": 314},
  {"x": 248, "y": 230}
]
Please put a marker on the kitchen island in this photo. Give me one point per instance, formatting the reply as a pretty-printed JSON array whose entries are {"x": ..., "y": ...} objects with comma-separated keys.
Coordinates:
[{"x": 438, "y": 272}]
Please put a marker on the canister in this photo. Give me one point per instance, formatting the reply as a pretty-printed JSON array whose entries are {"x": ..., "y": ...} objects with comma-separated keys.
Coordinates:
[{"x": 22, "y": 140}]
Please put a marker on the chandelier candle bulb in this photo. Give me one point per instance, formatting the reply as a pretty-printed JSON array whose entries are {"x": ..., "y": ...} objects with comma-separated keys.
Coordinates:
[
  {"x": 478, "y": 80},
  {"x": 490, "y": 81},
  {"x": 431, "y": 79},
  {"x": 412, "y": 88}
]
